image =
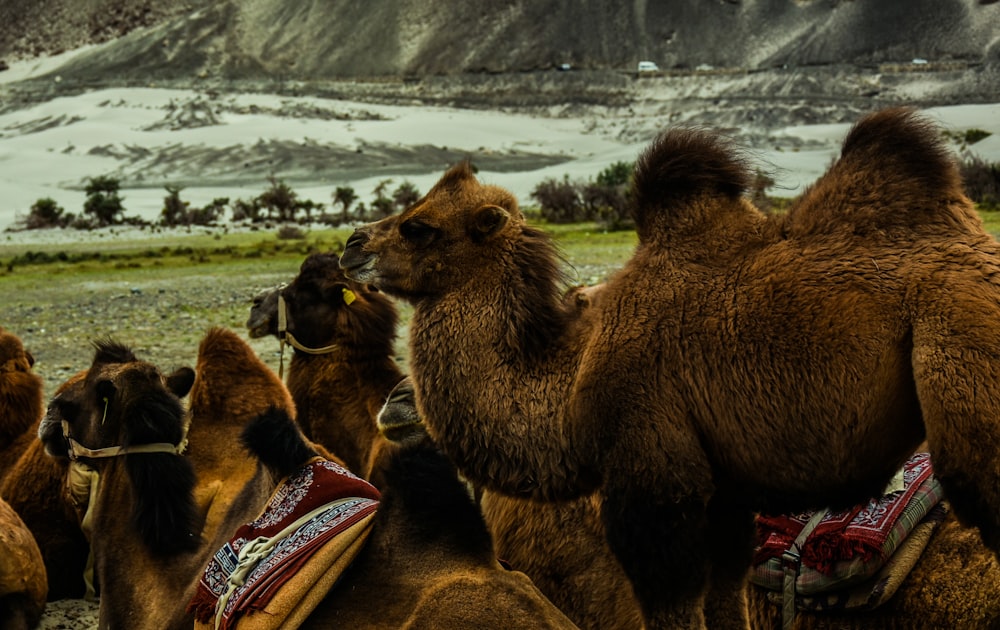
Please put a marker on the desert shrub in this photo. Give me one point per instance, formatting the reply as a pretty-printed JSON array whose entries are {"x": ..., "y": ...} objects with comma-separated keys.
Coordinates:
[
  {"x": 46, "y": 213},
  {"x": 559, "y": 201},
  {"x": 617, "y": 174},
  {"x": 344, "y": 196},
  {"x": 308, "y": 206},
  {"x": 982, "y": 181},
  {"x": 762, "y": 182},
  {"x": 291, "y": 233},
  {"x": 174, "y": 211},
  {"x": 244, "y": 210},
  {"x": 972, "y": 136},
  {"x": 382, "y": 204},
  {"x": 211, "y": 213},
  {"x": 405, "y": 196},
  {"x": 280, "y": 200},
  {"x": 608, "y": 197},
  {"x": 103, "y": 204}
]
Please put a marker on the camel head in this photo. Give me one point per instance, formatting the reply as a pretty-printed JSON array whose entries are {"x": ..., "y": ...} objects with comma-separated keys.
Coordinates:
[
  {"x": 323, "y": 308},
  {"x": 425, "y": 249},
  {"x": 399, "y": 420},
  {"x": 122, "y": 408},
  {"x": 118, "y": 401},
  {"x": 21, "y": 398},
  {"x": 13, "y": 356}
]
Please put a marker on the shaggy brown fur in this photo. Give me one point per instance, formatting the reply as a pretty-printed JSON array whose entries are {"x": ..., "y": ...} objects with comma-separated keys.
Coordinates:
[
  {"x": 560, "y": 547},
  {"x": 231, "y": 387},
  {"x": 145, "y": 527},
  {"x": 430, "y": 556},
  {"x": 149, "y": 561},
  {"x": 21, "y": 400},
  {"x": 22, "y": 573},
  {"x": 955, "y": 584},
  {"x": 736, "y": 363},
  {"x": 336, "y": 393},
  {"x": 35, "y": 489},
  {"x": 32, "y": 483}
]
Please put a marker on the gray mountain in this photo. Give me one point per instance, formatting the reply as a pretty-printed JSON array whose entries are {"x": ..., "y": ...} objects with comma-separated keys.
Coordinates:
[{"x": 345, "y": 39}]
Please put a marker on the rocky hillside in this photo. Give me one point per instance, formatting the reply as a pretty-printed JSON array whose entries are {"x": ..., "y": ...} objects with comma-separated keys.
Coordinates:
[{"x": 337, "y": 39}]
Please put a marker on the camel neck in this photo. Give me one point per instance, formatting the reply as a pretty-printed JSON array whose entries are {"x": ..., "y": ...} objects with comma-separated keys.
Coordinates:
[{"x": 465, "y": 363}]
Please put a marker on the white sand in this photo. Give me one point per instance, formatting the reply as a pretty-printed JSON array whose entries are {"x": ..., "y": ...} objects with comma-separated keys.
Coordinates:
[{"x": 45, "y": 150}]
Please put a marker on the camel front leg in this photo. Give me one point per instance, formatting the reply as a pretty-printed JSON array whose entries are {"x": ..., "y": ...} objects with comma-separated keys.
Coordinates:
[
  {"x": 657, "y": 527},
  {"x": 731, "y": 545}
]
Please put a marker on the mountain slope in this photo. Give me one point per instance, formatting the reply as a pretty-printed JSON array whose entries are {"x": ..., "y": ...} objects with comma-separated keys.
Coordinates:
[{"x": 336, "y": 39}]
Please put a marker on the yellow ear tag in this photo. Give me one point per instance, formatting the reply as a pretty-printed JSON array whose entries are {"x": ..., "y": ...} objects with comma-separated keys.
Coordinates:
[{"x": 349, "y": 296}]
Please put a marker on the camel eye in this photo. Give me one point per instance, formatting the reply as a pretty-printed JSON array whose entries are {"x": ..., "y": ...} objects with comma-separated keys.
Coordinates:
[{"x": 417, "y": 232}]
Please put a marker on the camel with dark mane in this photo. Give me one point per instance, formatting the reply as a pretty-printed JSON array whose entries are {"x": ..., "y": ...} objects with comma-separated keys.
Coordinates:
[
  {"x": 339, "y": 392},
  {"x": 146, "y": 520},
  {"x": 342, "y": 366},
  {"x": 737, "y": 362}
]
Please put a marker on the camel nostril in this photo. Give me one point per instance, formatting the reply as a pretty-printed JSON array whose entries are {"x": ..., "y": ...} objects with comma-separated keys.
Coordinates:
[{"x": 357, "y": 239}]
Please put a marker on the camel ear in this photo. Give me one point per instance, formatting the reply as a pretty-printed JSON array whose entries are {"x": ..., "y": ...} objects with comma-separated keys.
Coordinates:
[
  {"x": 105, "y": 389},
  {"x": 181, "y": 381},
  {"x": 487, "y": 221}
]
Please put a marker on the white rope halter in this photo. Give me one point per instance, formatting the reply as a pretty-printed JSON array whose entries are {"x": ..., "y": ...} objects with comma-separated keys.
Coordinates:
[{"x": 285, "y": 336}]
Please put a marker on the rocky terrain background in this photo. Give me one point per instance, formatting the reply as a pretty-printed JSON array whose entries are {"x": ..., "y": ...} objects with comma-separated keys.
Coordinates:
[{"x": 344, "y": 39}]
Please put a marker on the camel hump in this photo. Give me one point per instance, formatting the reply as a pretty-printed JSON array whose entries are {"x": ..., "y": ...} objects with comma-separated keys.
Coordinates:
[
  {"x": 680, "y": 165},
  {"x": 905, "y": 146},
  {"x": 895, "y": 171}
]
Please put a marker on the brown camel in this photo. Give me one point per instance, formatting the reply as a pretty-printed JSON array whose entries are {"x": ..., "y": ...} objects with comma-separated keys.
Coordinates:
[
  {"x": 34, "y": 488},
  {"x": 23, "y": 585},
  {"x": 430, "y": 556},
  {"x": 21, "y": 399},
  {"x": 32, "y": 483},
  {"x": 343, "y": 364},
  {"x": 428, "y": 573},
  {"x": 231, "y": 387},
  {"x": 561, "y": 547},
  {"x": 126, "y": 421},
  {"x": 737, "y": 362}
]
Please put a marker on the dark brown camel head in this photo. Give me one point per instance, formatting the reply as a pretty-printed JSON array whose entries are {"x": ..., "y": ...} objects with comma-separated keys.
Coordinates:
[
  {"x": 323, "y": 308},
  {"x": 126, "y": 410}
]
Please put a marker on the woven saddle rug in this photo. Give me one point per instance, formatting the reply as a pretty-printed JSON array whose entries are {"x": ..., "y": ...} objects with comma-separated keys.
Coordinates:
[
  {"x": 847, "y": 548},
  {"x": 276, "y": 569}
]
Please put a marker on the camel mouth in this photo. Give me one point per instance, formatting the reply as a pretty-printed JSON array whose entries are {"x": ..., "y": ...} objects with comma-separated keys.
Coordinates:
[
  {"x": 256, "y": 333},
  {"x": 257, "y": 326},
  {"x": 363, "y": 272}
]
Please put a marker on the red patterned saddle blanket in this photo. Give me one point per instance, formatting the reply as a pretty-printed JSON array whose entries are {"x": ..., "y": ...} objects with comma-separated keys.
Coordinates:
[
  {"x": 275, "y": 570},
  {"x": 847, "y": 550}
]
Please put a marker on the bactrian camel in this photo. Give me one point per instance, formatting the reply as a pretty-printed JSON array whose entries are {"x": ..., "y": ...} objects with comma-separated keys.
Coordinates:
[{"x": 737, "y": 362}]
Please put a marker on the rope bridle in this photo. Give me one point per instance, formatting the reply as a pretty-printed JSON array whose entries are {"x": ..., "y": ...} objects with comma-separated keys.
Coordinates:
[
  {"x": 77, "y": 450},
  {"x": 83, "y": 482},
  {"x": 285, "y": 336}
]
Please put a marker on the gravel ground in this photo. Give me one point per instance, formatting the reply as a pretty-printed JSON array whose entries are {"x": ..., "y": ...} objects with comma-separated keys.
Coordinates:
[
  {"x": 162, "y": 318},
  {"x": 69, "y": 614}
]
